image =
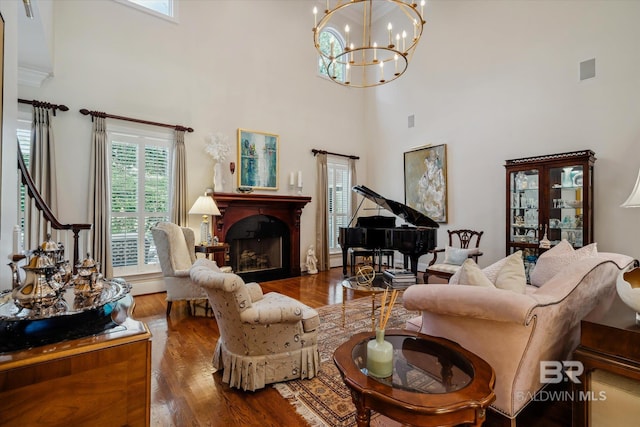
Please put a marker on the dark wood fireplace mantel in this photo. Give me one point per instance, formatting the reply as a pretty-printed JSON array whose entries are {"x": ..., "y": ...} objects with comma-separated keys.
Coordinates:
[{"x": 237, "y": 206}]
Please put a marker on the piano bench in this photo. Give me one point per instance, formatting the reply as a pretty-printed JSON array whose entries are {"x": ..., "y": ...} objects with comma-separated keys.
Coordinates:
[
  {"x": 360, "y": 253},
  {"x": 389, "y": 253}
]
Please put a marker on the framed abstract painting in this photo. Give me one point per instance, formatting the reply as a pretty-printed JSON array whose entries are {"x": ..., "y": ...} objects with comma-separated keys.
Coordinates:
[
  {"x": 257, "y": 160},
  {"x": 425, "y": 181}
]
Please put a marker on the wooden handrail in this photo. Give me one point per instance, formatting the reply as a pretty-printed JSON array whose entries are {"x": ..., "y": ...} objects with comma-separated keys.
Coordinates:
[{"x": 42, "y": 206}]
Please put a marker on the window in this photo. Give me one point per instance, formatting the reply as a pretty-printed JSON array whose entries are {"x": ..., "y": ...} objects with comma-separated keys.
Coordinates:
[
  {"x": 140, "y": 197},
  {"x": 339, "y": 198},
  {"x": 161, "y": 8},
  {"x": 24, "y": 140},
  {"x": 330, "y": 38}
]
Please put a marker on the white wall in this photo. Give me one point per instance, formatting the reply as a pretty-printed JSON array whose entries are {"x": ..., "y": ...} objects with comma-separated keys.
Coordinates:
[
  {"x": 8, "y": 190},
  {"x": 498, "y": 80}
]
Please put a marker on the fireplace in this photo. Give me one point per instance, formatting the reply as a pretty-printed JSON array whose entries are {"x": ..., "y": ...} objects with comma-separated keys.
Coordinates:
[{"x": 263, "y": 233}]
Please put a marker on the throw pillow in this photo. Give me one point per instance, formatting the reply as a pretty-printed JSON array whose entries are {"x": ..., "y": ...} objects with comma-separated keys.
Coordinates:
[
  {"x": 456, "y": 256},
  {"x": 470, "y": 274},
  {"x": 512, "y": 276},
  {"x": 552, "y": 262}
]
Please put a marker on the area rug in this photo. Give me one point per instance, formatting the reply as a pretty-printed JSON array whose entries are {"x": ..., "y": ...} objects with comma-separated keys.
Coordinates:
[{"x": 325, "y": 400}]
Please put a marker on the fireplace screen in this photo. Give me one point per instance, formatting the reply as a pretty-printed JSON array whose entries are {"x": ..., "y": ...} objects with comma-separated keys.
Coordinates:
[
  {"x": 259, "y": 248},
  {"x": 258, "y": 254}
]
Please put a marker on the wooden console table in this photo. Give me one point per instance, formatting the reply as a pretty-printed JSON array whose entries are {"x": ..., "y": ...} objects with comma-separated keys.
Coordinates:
[
  {"x": 98, "y": 380},
  {"x": 610, "y": 345}
]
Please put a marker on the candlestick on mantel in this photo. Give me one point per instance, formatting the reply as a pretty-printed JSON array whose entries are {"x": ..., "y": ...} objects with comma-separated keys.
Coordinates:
[{"x": 299, "y": 182}]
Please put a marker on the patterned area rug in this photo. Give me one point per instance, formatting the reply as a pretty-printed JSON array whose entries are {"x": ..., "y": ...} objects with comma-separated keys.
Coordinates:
[{"x": 325, "y": 400}]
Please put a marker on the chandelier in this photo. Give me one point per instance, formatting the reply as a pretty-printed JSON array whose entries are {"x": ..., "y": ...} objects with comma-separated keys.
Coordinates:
[{"x": 379, "y": 38}]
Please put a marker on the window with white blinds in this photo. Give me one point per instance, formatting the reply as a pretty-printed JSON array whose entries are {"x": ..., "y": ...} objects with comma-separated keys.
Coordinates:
[
  {"x": 140, "y": 197},
  {"x": 339, "y": 198}
]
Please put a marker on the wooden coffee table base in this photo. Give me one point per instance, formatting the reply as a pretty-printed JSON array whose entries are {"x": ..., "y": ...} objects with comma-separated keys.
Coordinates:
[{"x": 452, "y": 405}]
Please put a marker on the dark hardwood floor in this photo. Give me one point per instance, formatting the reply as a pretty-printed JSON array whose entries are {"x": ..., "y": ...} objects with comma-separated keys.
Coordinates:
[{"x": 186, "y": 392}]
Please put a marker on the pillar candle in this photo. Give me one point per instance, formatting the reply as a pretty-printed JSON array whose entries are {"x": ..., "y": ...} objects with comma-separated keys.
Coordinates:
[
  {"x": 291, "y": 179},
  {"x": 299, "y": 178}
]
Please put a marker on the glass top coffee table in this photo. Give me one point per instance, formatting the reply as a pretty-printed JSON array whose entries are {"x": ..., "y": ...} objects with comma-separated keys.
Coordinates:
[
  {"x": 377, "y": 286},
  {"x": 435, "y": 382}
]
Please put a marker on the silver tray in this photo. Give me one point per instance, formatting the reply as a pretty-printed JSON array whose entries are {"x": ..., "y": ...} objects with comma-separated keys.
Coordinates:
[{"x": 68, "y": 304}]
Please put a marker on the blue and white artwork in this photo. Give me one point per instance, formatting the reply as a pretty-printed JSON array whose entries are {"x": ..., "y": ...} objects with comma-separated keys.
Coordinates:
[{"x": 258, "y": 159}]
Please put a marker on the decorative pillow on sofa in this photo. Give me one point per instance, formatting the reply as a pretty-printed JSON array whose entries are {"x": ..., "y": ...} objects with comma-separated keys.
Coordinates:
[
  {"x": 457, "y": 256},
  {"x": 508, "y": 274},
  {"x": 555, "y": 259}
]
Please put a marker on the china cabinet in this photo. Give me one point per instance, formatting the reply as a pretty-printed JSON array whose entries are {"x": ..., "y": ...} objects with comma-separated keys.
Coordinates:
[{"x": 550, "y": 198}]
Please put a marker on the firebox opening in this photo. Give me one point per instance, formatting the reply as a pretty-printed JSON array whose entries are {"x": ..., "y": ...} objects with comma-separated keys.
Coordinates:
[{"x": 259, "y": 248}]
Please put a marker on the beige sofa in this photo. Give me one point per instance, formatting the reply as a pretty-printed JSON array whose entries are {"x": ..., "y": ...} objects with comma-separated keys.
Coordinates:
[
  {"x": 513, "y": 331},
  {"x": 264, "y": 338}
]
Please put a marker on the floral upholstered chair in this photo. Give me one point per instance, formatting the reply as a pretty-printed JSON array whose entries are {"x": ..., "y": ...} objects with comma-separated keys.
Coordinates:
[{"x": 264, "y": 338}]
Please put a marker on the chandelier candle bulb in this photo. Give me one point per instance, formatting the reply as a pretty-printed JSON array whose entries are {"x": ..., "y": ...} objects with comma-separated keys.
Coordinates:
[
  {"x": 315, "y": 17},
  {"x": 351, "y": 57},
  {"x": 347, "y": 80},
  {"x": 421, "y": 7},
  {"x": 389, "y": 27},
  {"x": 415, "y": 29},
  {"x": 346, "y": 30},
  {"x": 395, "y": 58},
  {"x": 375, "y": 52},
  {"x": 404, "y": 39},
  {"x": 381, "y": 72}
]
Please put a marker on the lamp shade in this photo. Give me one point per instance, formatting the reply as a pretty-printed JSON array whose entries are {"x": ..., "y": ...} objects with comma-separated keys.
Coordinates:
[
  {"x": 205, "y": 205},
  {"x": 634, "y": 199}
]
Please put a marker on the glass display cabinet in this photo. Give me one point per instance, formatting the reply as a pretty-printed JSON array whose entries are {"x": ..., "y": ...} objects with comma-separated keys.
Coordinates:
[{"x": 549, "y": 198}]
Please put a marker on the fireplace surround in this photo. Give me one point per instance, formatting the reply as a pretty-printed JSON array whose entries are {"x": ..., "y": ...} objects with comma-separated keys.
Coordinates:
[{"x": 263, "y": 217}]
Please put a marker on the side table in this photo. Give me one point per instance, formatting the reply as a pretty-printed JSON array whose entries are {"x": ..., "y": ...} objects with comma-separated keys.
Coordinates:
[
  {"x": 218, "y": 253},
  {"x": 610, "y": 354}
]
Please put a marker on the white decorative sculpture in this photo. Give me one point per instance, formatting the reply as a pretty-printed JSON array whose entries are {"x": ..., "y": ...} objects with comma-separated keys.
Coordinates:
[{"x": 312, "y": 261}]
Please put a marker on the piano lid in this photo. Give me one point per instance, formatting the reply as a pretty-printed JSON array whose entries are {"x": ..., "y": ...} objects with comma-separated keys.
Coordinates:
[{"x": 410, "y": 215}]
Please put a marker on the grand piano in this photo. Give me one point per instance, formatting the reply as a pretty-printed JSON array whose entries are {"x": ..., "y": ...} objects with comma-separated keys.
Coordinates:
[{"x": 380, "y": 232}]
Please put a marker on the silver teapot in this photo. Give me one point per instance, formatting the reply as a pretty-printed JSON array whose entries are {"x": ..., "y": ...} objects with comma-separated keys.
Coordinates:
[{"x": 41, "y": 287}]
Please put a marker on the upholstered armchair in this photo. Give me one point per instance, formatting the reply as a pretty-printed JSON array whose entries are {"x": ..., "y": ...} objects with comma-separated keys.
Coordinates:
[
  {"x": 264, "y": 338},
  {"x": 515, "y": 331},
  {"x": 176, "y": 252}
]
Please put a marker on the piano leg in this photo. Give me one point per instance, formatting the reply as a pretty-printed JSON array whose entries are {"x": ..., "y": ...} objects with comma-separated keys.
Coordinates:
[
  {"x": 414, "y": 264},
  {"x": 344, "y": 261}
]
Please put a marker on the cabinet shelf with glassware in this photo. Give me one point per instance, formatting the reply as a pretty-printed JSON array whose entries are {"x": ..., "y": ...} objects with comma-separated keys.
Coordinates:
[{"x": 550, "y": 198}]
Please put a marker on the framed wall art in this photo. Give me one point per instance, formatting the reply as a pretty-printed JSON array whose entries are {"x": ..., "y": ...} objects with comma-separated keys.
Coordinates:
[
  {"x": 425, "y": 181},
  {"x": 257, "y": 160}
]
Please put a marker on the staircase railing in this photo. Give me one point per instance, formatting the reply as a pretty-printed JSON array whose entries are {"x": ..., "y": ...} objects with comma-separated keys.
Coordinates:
[{"x": 45, "y": 210}]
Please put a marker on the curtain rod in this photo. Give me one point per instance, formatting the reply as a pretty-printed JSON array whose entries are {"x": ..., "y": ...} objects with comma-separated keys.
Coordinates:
[
  {"x": 46, "y": 105},
  {"x": 93, "y": 114},
  {"x": 316, "y": 151}
]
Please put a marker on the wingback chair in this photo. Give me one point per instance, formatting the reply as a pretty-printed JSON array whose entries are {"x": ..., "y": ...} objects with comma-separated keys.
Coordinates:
[
  {"x": 463, "y": 244},
  {"x": 264, "y": 338},
  {"x": 176, "y": 252}
]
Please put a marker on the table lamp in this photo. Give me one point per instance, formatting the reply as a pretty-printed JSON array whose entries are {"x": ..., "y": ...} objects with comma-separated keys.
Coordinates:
[
  {"x": 205, "y": 206},
  {"x": 634, "y": 198}
]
